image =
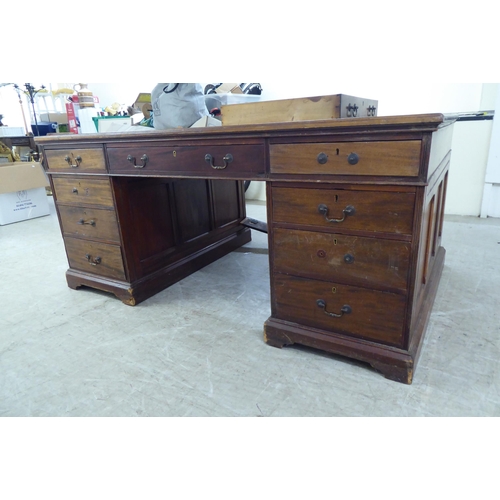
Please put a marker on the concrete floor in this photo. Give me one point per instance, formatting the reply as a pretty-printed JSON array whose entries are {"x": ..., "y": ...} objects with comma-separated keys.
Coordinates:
[{"x": 196, "y": 349}]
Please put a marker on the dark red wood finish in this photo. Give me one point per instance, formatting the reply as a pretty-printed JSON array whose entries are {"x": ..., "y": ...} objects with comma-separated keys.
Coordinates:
[{"x": 355, "y": 218}]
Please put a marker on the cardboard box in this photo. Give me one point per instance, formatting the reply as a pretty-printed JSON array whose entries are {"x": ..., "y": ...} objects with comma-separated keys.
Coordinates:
[
  {"x": 22, "y": 192},
  {"x": 54, "y": 117},
  {"x": 302, "y": 109},
  {"x": 233, "y": 88},
  {"x": 142, "y": 103}
]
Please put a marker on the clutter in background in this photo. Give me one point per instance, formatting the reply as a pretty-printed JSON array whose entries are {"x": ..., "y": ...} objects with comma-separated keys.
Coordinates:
[{"x": 74, "y": 108}]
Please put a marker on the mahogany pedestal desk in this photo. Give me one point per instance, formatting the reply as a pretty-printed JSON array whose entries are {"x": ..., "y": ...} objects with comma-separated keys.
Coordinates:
[{"x": 355, "y": 216}]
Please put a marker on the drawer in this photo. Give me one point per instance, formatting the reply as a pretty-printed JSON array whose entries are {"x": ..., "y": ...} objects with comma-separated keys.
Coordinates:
[
  {"x": 91, "y": 223},
  {"x": 96, "y": 258},
  {"x": 345, "y": 209},
  {"x": 324, "y": 256},
  {"x": 217, "y": 161},
  {"x": 76, "y": 160},
  {"x": 83, "y": 190},
  {"x": 370, "y": 314},
  {"x": 384, "y": 158}
]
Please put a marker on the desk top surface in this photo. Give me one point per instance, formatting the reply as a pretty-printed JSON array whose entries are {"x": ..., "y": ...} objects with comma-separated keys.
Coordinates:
[{"x": 422, "y": 122}]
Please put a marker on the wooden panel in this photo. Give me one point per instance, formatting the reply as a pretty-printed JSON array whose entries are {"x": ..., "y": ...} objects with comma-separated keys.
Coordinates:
[
  {"x": 149, "y": 205},
  {"x": 283, "y": 110},
  {"x": 91, "y": 160},
  {"x": 183, "y": 160},
  {"x": 374, "y": 315},
  {"x": 90, "y": 223},
  {"x": 193, "y": 208},
  {"x": 365, "y": 261},
  {"x": 397, "y": 158},
  {"x": 226, "y": 202},
  {"x": 95, "y": 258},
  {"x": 83, "y": 190},
  {"x": 389, "y": 212},
  {"x": 301, "y": 109}
]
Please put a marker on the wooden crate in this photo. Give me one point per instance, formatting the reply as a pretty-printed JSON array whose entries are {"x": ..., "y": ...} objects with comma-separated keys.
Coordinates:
[{"x": 301, "y": 109}]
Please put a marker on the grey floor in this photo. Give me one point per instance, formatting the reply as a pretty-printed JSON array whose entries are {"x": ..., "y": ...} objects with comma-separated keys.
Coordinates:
[{"x": 196, "y": 349}]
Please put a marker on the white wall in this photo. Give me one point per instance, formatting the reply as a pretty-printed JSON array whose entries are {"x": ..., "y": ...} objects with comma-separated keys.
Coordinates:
[
  {"x": 469, "y": 156},
  {"x": 491, "y": 194}
]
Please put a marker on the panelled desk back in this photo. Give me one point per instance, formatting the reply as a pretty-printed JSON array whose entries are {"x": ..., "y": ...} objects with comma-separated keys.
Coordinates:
[{"x": 355, "y": 217}]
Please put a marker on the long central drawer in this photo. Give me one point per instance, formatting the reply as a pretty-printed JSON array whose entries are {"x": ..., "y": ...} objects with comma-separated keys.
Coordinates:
[{"x": 210, "y": 160}]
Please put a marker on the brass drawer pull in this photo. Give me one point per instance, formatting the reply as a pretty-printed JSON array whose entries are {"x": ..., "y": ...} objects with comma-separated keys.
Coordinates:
[
  {"x": 346, "y": 309},
  {"x": 90, "y": 222},
  {"x": 68, "y": 160},
  {"x": 92, "y": 262},
  {"x": 144, "y": 159},
  {"x": 227, "y": 160},
  {"x": 323, "y": 210}
]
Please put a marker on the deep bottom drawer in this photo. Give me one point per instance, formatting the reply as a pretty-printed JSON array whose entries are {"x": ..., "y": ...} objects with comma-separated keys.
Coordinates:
[
  {"x": 96, "y": 258},
  {"x": 370, "y": 315}
]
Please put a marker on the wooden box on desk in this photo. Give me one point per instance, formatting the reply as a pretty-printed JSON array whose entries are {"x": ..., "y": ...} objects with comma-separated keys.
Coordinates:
[{"x": 301, "y": 109}]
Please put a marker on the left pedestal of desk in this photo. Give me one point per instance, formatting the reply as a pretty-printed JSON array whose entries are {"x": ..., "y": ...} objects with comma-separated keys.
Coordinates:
[{"x": 133, "y": 237}]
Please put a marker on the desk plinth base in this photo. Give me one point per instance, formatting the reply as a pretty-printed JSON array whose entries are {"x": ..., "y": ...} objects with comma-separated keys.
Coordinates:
[
  {"x": 395, "y": 364},
  {"x": 133, "y": 293}
]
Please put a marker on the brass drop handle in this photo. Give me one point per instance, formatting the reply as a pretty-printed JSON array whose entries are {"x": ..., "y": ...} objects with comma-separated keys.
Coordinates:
[
  {"x": 90, "y": 222},
  {"x": 346, "y": 309},
  {"x": 92, "y": 262},
  {"x": 227, "y": 160},
  {"x": 323, "y": 210},
  {"x": 68, "y": 160},
  {"x": 144, "y": 159}
]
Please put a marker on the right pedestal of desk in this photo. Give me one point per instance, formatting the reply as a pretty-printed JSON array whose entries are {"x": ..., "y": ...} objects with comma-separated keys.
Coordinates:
[{"x": 355, "y": 225}]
